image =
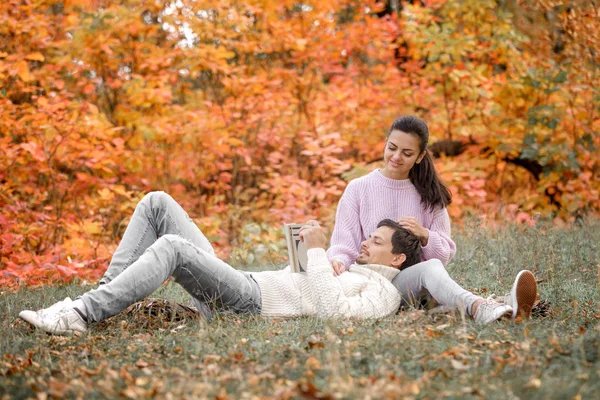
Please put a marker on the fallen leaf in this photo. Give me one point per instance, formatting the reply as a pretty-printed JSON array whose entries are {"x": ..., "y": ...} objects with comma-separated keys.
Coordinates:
[
  {"x": 534, "y": 383},
  {"x": 433, "y": 333},
  {"x": 312, "y": 362},
  {"x": 125, "y": 375},
  {"x": 142, "y": 381},
  {"x": 211, "y": 358},
  {"x": 413, "y": 388},
  {"x": 315, "y": 341},
  {"x": 459, "y": 366}
]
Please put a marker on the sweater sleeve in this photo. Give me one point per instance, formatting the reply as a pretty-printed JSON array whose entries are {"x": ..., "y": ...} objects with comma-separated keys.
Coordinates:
[
  {"x": 347, "y": 232},
  {"x": 439, "y": 244},
  {"x": 378, "y": 299}
]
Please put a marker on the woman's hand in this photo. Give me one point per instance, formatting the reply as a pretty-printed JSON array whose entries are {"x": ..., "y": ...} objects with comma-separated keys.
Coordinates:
[
  {"x": 338, "y": 267},
  {"x": 413, "y": 226}
]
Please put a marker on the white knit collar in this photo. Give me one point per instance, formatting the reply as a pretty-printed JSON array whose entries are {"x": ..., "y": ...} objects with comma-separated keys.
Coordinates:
[{"x": 387, "y": 272}]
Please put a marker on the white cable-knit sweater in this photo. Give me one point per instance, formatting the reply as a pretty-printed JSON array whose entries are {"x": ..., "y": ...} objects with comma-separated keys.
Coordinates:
[{"x": 365, "y": 291}]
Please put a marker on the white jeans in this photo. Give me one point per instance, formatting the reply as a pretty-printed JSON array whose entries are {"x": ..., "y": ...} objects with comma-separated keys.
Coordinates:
[{"x": 430, "y": 278}]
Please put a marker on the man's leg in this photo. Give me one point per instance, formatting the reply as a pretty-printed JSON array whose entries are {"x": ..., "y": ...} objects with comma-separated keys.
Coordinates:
[
  {"x": 430, "y": 277},
  {"x": 157, "y": 214},
  {"x": 201, "y": 273}
]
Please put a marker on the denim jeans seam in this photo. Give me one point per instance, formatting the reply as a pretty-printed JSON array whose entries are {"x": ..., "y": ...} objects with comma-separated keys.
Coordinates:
[
  {"x": 136, "y": 247},
  {"x": 225, "y": 283},
  {"x": 171, "y": 220},
  {"x": 246, "y": 300},
  {"x": 110, "y": 302}
]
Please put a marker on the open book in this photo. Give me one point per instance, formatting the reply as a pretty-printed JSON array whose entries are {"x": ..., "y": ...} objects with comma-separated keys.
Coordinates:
[{"x": 296, "y": 248}]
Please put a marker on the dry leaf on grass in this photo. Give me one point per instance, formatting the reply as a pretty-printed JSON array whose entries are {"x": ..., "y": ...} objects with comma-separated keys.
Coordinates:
[{"x": 459, "y": 366}]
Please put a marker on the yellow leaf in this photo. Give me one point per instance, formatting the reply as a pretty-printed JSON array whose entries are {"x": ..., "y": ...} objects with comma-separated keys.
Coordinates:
[
  {"x": 23, "y": 71},
  {"x": 37, "y": 56},
  {"x": 235, "y": 142},
  {"x": 134, "y": 164},
  {"x": 223, "y": 53},
  {"x": 301, "y": 44},
  {"x": 3, "y": 54},
  {"x": 92, "y": 227},
  {"x": 106, "y": 194}
]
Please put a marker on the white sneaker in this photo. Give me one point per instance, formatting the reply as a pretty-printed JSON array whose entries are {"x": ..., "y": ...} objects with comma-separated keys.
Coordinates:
[
  {"x": 57, "y": 319},
  {"x": 523, "y": 294},
  {"x": 33, "y": 317},
  {"x": 56, "y": 306},
  {"x": 490, "y": 311}
]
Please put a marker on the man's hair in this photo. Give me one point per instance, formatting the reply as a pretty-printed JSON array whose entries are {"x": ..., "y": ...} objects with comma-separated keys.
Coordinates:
[{"x": 403, "y": 242}]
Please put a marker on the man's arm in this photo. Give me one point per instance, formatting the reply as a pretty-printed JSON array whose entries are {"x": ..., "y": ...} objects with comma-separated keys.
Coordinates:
[{"x": 378, "y": 299}]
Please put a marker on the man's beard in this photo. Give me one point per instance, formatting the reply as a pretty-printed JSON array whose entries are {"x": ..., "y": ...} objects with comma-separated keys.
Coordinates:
[{"x": 362, "y": 261}]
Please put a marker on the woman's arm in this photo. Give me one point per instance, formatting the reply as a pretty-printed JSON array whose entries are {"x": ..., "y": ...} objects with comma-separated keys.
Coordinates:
[
  {"x": 439, "y": 244},
  {"x": 347, "y": 232}
]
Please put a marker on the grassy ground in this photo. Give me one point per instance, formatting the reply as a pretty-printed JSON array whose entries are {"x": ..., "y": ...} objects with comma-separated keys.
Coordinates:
[{"x": 410, "y": 355}]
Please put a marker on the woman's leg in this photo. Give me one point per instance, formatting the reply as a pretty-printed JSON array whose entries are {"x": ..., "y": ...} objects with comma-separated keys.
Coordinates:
[
  {"x": 202, "y": 274},
  {"x": 431, "y": 277},
  {"x": 157, "y": 214}
]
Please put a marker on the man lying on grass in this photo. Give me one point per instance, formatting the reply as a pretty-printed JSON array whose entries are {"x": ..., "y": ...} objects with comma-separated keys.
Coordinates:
[{"x": 162, "y": 241}]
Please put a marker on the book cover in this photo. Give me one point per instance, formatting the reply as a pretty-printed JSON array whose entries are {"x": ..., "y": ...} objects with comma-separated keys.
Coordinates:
[{"x": 296, "y": 248}]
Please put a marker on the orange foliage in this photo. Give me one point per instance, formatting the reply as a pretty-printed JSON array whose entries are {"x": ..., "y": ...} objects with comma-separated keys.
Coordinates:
[{"x": 250, "y": 113}]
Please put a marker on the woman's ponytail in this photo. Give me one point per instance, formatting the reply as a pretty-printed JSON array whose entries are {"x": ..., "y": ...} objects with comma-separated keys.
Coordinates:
[{"x": 434, "y": 193}]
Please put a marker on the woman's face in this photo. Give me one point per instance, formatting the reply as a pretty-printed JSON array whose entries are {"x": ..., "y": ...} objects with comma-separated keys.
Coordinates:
[{"x": 400, "y": 154}]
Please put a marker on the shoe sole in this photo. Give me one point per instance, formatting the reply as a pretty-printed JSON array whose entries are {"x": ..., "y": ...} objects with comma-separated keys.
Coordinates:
[{"x": 525, "y": 288}]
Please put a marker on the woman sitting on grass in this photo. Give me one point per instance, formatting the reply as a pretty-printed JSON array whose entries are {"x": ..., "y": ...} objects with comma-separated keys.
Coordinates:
[{"x": 407, "y": 189}]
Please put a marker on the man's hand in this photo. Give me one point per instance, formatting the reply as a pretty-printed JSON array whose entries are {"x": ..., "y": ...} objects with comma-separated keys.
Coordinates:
[
  {"x": 412, "y": 225},
  {"x": 312, "y": 235}
]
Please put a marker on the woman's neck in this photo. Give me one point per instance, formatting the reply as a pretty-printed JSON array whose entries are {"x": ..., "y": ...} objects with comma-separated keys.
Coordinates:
[{"x": 391, "y": 175}]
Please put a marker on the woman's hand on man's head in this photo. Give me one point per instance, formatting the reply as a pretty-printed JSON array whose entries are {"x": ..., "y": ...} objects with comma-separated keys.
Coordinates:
[{"x": 413, "y": 226}]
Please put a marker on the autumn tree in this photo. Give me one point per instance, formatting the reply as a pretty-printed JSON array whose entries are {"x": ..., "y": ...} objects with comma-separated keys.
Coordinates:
[{"x": 255, "y": 113}]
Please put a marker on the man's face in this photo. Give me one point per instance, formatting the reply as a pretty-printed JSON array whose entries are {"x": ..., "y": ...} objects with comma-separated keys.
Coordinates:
[{"x": 377, "y": 249}]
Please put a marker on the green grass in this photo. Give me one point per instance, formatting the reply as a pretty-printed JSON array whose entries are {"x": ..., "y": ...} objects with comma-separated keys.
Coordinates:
[{"x": 412, "y": 354}]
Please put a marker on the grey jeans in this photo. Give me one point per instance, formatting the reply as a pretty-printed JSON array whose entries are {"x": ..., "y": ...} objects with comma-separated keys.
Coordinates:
[
  {"x": 429, "y": 279},
  {"x": 160, "y": 241}
]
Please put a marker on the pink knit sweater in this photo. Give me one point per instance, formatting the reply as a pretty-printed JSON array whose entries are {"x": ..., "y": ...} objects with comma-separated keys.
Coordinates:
[{"x": 373, "y": 197}]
